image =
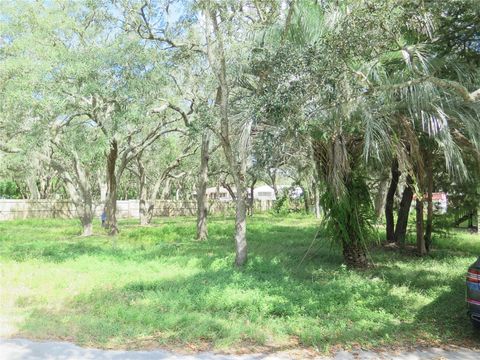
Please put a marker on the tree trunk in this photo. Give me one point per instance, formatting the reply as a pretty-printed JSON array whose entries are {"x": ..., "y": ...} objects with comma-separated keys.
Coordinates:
[
  {"x": 86, "y": 220},
  {"x": 419, "y": 226},
  {"x": 77, "y": 185},
  {"x": 237, "y": 165},
  {"x": 230, "y": 190},
  {"x": 111, "y": 201},
  {"x": 79, "y": 191},
  {"x": 344, "y": 221},
  {"x": 273, "y": 178},
  {"x": 143, "y": 202},
  {"x": 166, "y": 190},
  {"x": 390, "y": 224},
  {"x": 83, "y": 204},
  {"x": 143, "y": 212},
  {"x": 86, "y": 205},
  {"x": 202, "y": 229},
  {"x": 403, "y": 213},
  {"x": 380, "y": 198},
  {"x": 102, "y": 186},
  {"x": 45, "y": 187},
  {"x": 33, "y": 188},
  {"x": 429, "y": 226},
  {"x": 354, "y": 254},
  {"x": 146, "y": 212},
  {"x": 241, "y": 225},
  {"x": 252, "y": 197},
  {"x": 316, "y": 199},
  {"x": 306, "y": 198}
]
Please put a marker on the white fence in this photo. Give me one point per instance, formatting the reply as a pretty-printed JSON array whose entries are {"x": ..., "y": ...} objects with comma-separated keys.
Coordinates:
[{"x": 27, "y": 209}]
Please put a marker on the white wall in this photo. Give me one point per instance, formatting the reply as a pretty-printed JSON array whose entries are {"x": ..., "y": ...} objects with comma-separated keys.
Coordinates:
[{"x": 26, "y": 209}]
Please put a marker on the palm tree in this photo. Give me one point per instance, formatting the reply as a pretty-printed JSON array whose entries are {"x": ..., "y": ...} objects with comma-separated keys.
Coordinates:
[{"x": 347, "y": 77}]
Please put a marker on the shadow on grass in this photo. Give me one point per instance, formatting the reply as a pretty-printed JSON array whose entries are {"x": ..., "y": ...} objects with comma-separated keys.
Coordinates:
[
  {"x": 137, "y": 243},
  {"x": 262, "y": 304},
  {"x": 219, "y": 306},
  {"x": 273, "y": 300},
  {"x": 446, "y": 317},
  {"x": 53, "y": 252}
]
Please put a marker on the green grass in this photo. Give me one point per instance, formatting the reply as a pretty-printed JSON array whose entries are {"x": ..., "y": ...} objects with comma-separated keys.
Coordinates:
[{"x": 159, "y": 287}]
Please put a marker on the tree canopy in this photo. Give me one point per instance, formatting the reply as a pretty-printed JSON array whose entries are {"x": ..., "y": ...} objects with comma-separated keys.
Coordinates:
[{"x": 161, "y": 96}]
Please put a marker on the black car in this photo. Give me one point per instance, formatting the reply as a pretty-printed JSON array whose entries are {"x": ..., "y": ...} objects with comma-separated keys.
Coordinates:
[{"x": 473, "y": 293}]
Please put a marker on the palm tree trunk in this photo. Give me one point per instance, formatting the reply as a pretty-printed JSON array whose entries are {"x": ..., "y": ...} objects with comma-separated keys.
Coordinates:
[
  {"x": 380, "y": 197},
  {"x": 390, "y": 224},
  {"x": 403, "y": 213},
  {"x": 354, "y": 254},
  {"x": 419, "y": 225},
  {"x": 429, "y": 225}
]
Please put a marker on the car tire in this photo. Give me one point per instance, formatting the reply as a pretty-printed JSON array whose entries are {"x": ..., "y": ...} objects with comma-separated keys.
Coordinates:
[{"x": 476, "y": 324}]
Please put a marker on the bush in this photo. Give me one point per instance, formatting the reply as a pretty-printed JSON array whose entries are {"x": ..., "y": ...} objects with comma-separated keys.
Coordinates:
[
  {"x": 9, "y": 190},
  {"x": 282, "y": 205}
]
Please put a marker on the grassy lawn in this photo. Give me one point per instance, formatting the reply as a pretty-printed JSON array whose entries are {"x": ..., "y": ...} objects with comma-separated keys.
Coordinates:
[{"x": 159, "y": 287}]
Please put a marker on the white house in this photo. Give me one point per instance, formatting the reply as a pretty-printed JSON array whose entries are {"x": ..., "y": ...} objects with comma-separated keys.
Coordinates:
[
  {"x": 263, "y": 192},
  {"x": 219, "y": 193}
]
